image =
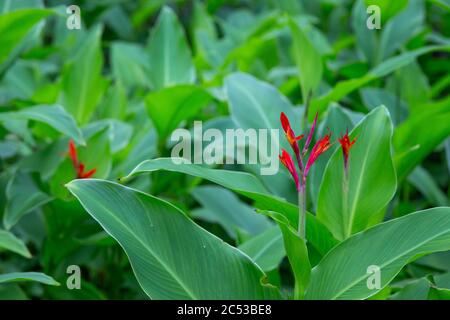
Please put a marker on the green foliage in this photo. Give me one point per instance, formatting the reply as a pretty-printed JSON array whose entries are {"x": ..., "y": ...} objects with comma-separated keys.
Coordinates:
[{"x": 89, "y": 176}]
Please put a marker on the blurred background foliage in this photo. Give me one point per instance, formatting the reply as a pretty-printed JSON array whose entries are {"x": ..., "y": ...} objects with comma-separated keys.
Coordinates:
[{"x": 138, "y": 69}]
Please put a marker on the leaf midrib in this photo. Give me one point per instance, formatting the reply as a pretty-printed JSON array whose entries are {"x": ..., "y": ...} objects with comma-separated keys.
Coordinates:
[
  {"x": 389, "y": 262},
  {"x": 168, "y": 269}
]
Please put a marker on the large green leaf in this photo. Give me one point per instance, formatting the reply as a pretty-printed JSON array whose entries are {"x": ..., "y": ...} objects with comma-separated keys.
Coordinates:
[
  {"x": 247, "y": 185},
  {"x": 344, "y": 212},
  {"x": 338, "y": 122},
  {"x": 28, "y": 276},
  {"x": 82, "y": 82},
  {"x": 168, "y": 107},
  {"x": 10, "y": 242},
  {"x": 53, "y": 115},
  {"x": 171, "y": 256},
  {"x": 343, "y": 274},
  {"x": 170, "y": 57},
  {"x": 23, "y": 196},
  {"x": 15, "y": 25}
]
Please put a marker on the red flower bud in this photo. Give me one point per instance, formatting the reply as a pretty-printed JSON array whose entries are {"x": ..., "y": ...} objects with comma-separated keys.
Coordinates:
[
  {"x": 346, "y": 145},
  {"x": 286, "y": 160},
  {"x": 320, "y": 147}
]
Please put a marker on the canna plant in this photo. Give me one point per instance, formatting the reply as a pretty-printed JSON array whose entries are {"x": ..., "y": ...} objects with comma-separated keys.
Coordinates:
[
  {"x": 88, "y": 116},
  {"x": 168, "y": 250}
]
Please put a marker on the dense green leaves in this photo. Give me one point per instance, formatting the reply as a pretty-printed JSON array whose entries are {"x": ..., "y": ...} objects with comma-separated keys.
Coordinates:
[
  {"x": 53, "y": 115},
  {"x": 168, "y": 107},
  {"x": 15, "y": 25},
  {"x": 171, "y": 256},
  {"x": 346, "y": 211},
  {"x": 343, "y": 274},
  {"x": 419, "y": 135}
]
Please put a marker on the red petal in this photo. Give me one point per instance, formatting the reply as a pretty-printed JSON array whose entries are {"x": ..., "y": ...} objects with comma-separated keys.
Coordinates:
[
  {"x": 88, "y": 174},
  {"x": 73, "y": 153},
  {"x": 289, "y": 164},
  {"x": 285, "y": 123}
]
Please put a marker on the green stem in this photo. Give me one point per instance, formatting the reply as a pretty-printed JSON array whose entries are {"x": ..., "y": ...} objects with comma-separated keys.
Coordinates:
[
  {"x": 345, "y": 203},
  {"x": 302, "y": 211}
]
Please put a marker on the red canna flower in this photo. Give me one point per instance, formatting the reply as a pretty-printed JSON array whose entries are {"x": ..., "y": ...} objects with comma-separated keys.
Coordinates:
[
  {"x": 346, "y": 145},
  {"x": 291, "y": 138},
  {"x": 286, "y": 160},
  {"x": 79, "y": 166},
  {"x": 320, "y": 147}
]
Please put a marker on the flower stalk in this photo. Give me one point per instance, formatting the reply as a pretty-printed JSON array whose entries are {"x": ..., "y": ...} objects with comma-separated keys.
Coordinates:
[
  {"x": 300, "y": 176},
  {"x": 346, "y": 145}
]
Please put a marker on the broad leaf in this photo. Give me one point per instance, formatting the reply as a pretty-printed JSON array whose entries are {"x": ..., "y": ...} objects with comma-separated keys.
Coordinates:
[
  {"x": 53, "y": 115},
  {"x": 297, "y": 253},
  {"x": 171, "y": 256},
  {"x": 343, "y": 274},
  {"x": 344, "y": 212}
]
